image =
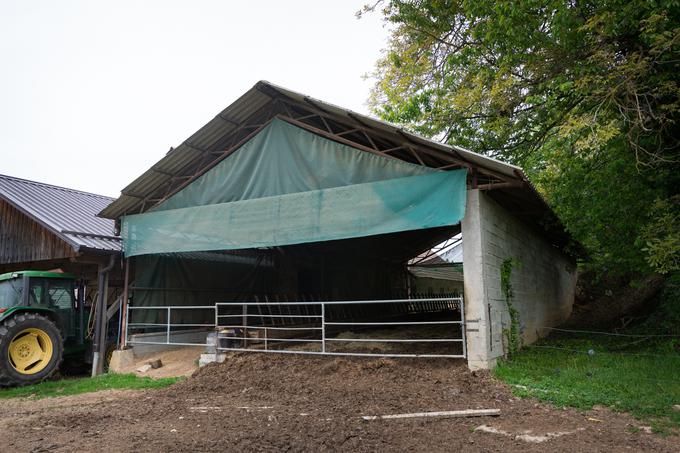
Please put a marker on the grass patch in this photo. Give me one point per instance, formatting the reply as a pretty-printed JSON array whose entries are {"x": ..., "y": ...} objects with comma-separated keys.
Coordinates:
[
  {"x": 624, "y": 374},
  {"x": 75, "y": 386}
]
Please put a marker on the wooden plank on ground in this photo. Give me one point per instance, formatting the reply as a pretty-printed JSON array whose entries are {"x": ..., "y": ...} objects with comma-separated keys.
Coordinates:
[{"x": 463, "y": 413}]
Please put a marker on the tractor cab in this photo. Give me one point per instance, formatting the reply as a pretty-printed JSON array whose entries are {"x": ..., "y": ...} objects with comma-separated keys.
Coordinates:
[
  {"x": 47, "y": 292},
  {"x": 39, "y": 316}
]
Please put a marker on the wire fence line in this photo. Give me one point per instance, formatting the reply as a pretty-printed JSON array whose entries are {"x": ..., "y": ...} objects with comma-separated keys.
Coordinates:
[
  {"x": 610, "y": 349},
  {"x": 593, "y": 351},
  {"x": 607, "y": 348},
  {"x": 609, "y": 333},
  {"x": 542, "y": 390}
]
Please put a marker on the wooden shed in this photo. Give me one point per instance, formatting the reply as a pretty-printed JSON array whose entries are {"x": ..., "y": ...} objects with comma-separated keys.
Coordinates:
[{"x": 46, "y": 227}]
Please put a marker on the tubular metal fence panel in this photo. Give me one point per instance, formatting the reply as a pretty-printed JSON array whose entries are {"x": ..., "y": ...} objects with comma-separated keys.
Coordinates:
[
  {"x": 305, "y": 327},
  {"x": 167, "y": 326}
]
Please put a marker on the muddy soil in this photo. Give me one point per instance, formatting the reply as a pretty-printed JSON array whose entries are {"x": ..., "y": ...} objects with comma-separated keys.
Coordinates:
[
  {"x": 258, "y": 402},
  {"x": 176, "y": 362}
]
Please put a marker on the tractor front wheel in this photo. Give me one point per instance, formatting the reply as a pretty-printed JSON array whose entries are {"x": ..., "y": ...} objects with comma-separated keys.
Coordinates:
[{"x": 31, "y": 348}]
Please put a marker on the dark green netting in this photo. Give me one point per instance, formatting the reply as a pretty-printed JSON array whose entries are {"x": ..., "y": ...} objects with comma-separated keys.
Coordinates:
[
  {"x": 393, "y": 205},
  {"x": 283, "y": 159},
  {"x": 195, "y": 280},
  {"x": 289, "y": 186}
]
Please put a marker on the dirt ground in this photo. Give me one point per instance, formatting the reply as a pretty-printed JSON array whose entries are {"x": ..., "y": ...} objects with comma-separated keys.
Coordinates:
[
  {"x": 176, "y": 362},
  {"x": 262, "y": 402}
]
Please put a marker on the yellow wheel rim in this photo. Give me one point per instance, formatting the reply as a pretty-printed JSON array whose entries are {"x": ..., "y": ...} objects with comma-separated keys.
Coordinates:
[{"x": 30, "y": 351}]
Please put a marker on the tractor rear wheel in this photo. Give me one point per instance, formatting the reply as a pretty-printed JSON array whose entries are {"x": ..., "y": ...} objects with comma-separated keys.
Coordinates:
[{"x": 31, "y": 349}]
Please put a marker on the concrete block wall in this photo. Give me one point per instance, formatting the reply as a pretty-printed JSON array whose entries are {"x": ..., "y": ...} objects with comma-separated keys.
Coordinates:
[{"x": 543, "y": 280}]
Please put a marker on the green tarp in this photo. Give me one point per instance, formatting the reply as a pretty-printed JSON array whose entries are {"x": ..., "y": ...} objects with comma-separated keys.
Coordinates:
[
  {"x": 283, "y": 159},
  {"x": 288, "y": 186}
]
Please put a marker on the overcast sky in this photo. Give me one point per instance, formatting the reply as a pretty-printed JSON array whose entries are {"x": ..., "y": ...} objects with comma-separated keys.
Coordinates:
[{"x": 92, "y": 93}]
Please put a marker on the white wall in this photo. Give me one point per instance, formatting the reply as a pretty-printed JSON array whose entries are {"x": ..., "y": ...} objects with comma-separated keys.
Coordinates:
[{"x": 543, "y": 281}]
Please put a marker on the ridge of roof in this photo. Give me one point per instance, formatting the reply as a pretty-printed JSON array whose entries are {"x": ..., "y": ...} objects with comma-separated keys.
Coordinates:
[{"x": 52, "y": 186}]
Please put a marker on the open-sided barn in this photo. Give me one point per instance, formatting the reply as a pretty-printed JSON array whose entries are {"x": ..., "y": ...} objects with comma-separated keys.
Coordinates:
[{"x": 295, "y": 215}]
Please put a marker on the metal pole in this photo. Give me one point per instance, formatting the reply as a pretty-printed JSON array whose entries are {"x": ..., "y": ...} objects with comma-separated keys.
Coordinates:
[
  {"x": 99, "y": 341},
  {"x": 97, "y": 321},
  {"x": 323, "y": 327},
  {"x": 127, "y": 317},
  {"x": 217, "y": 332},
  {"x": 462, "y": 326},
  {"x": 81, "y": 312},
  {"x": 119, "y": 330},
  {"x": 167, "y": 337},
  {"x": 245, "y": 323}
]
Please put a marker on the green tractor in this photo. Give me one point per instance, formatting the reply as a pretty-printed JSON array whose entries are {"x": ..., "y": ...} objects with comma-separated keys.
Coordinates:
[{"x": 41, "y": 321}]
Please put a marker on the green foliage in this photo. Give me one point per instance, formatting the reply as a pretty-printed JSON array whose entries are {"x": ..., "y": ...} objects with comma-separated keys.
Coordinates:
[
  {"x": 666, "y": 317},
  {"x": 585, "y": 96},
  {"x": 643, "y": 381},
  {"x": 66, "y": 387},
  {"x": 604, "y": 202},
  {"x": 511, "y": 334},
  {"x": 661, "y": 235}
]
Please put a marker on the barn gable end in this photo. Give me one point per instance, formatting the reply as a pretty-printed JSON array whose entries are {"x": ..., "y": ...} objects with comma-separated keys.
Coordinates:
[{"x": 22, "y": 239}]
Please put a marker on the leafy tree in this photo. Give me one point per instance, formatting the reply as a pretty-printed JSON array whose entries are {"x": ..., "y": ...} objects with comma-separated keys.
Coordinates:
[{"x": 584, "y": 95}]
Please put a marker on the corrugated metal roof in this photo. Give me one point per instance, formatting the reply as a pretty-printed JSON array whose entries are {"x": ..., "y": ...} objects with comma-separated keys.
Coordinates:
[
  {"x": 255, "y": 99},
  {"x": 437, "y": 271},
  {"x": 70, "y": 214},
  {"x": 454, "y": 254},
  {"x": 450, "y": 252}
]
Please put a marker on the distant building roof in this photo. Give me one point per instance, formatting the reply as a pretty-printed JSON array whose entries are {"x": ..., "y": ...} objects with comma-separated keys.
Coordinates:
[
  {"x": 438, "y": 271},
  {"x": 443, "y": 262},
  {"x": 453, "y": 253},
  {"x": 69, "y": 214},
  {"x": 448, "y": 252}
]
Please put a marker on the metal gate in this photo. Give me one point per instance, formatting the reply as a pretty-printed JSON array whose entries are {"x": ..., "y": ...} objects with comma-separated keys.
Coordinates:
[
  {"x": 429, "y": 327},
  {"x": 309, "y": 328}
]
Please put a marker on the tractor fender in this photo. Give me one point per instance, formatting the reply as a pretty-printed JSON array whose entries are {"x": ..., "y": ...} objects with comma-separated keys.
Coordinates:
[{"x": 13, "y": 311}]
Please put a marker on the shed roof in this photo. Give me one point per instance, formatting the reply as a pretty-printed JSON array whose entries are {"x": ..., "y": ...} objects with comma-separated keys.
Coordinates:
[
  {"x": 437, "y": 271},
  {"x": 241, "y": 120},
  {"x": 70, "y": 214}
]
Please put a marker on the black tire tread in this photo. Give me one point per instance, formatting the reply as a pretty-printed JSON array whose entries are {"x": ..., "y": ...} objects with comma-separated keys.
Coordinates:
[{"x": 6, "y": 327}]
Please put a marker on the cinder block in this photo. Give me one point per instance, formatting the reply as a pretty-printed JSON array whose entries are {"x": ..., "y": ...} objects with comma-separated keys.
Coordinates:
[
  {"x": 121, "y": 359},
  {"x": 211, "y": 358}
]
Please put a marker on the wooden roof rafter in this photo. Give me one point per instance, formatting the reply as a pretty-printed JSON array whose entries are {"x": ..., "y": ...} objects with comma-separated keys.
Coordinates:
[{"x": 407, "y": 150}]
